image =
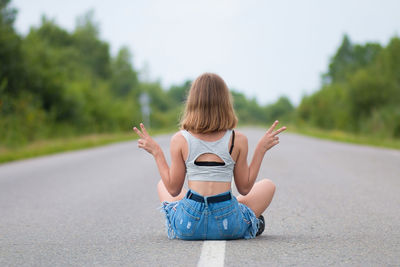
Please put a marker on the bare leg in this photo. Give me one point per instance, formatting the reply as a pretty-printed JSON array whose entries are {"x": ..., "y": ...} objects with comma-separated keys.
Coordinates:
[
  {"x": 165, "y": 196},
  {"x": 259, "y": 197}
]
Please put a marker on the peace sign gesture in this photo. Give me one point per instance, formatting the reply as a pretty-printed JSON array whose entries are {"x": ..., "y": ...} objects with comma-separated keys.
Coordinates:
[
  {"x": 146, "y": 142},
  {"x": 270, "y": 138}
]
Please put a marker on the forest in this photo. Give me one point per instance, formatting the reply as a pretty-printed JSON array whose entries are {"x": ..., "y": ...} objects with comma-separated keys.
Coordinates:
[{"x": 58, "y": 83}]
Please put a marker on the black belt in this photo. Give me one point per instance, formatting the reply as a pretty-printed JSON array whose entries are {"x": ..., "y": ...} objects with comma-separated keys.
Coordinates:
[{"x": 213, "y": 199}]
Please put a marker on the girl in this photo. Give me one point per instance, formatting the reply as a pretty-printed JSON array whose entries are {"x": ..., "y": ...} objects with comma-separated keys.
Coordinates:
[{"x": 208, "y": 152}]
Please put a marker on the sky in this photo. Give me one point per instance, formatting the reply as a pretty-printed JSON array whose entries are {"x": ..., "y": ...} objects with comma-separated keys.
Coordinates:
[{"x": 264, "y": 49}]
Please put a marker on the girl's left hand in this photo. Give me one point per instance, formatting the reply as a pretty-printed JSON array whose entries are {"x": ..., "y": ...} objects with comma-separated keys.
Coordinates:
[
  {"x": 145, "y": 141},
  {"x": 270, "y": 138}
]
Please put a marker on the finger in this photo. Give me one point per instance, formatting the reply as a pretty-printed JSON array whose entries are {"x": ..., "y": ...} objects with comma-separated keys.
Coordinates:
[
  {"x": 272, "y": 127},
  {"x": 138, "y": 132},
  {"x": 279, "y": 130},
  {"x": 274, "y": 143},
  {"x": 143, "y": 129}
]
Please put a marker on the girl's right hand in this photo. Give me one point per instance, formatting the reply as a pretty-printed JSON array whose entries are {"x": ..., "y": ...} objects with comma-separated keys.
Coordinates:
[
  {"x": 270, "y": 139},
  {"x": 146, "y": 142}
]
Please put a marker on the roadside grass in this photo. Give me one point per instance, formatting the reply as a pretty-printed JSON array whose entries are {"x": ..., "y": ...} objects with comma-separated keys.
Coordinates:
[
  {"x": 346, "y": 137},
  {"x": 57, "y": 145}
]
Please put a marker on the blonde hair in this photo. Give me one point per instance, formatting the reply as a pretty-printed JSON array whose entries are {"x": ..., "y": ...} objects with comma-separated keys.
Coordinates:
[{"x": 209, "y": 106}]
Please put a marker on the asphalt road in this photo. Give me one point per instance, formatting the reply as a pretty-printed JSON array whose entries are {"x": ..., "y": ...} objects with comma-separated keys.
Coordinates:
[{"x": 336, "y": 204}]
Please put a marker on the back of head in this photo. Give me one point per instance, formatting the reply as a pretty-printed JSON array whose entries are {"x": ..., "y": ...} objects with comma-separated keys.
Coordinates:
[{"x": 209, "y": 106}]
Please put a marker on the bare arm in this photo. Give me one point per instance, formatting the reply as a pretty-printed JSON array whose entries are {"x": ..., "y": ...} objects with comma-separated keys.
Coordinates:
[
  {"x": 245, "y": 175},
  {"x": 174, "y": 177}
]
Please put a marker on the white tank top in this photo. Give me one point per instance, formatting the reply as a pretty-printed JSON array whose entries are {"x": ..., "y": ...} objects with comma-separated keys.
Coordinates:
[{"x": 197, "y": 147}]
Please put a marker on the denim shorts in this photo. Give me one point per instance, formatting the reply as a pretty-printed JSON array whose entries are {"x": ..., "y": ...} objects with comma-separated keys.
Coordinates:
[{"x": 191, "y": 220}]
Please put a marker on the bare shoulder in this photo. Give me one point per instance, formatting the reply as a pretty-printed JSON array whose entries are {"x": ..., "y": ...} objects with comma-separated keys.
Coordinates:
[
  {"x": 240, "y": 138},
  {"x": 178, "y": 139},
  {"x": 179, "y": 145}
]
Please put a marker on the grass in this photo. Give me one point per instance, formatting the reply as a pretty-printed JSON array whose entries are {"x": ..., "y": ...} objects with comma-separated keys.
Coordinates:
[
  {"x": 346, "y": 137},
  {"x": 52, "y": 146}
]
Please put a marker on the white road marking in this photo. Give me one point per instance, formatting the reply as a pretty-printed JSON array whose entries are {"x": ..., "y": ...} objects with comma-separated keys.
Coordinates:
[{"x": 212, "y": 254}]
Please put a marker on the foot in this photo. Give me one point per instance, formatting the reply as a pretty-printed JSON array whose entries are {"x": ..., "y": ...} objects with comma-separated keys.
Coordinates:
[{"x": 261, "y": 225}]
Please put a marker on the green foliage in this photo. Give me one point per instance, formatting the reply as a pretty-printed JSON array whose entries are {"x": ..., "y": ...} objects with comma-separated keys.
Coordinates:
[
  {"x": 179, "y": 92},
  {"x": 55, "y": 83},
  {"x": 123, "y": 77},
  {"x": 349, "y": 58},
  {"x": 361, "y": 93},
  {"x": 92, "y": 51},
  {"x": 60, "y": 84},
  {"x": 165, "y": 109},
  {"x": 282, "y": 110},
  {"x": 248, "y": 112},
  {"x": 327, "y": 108},
  {"x": 27, "y": 121},
  {"x": 11, "y": 66}
]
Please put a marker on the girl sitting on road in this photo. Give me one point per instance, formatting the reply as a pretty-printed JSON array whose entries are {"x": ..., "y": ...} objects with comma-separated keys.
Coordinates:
[{"x": 208, "y": 152}]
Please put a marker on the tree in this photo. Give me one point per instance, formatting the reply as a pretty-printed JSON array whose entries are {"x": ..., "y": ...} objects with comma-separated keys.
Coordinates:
[
  {"x": 349, "y": 58},
  {"x": 281, "y": 109},
  {"x": 123, "y": 77},
  {"x": 179, "y": 92},
  {"x": 11, "y": 66},
  {"x": 92, "y": 51},
  {"x": 341, "y": 60}
]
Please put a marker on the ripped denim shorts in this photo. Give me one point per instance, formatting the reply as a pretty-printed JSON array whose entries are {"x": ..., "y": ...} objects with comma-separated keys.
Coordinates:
[{"x": 191, "y": 219}]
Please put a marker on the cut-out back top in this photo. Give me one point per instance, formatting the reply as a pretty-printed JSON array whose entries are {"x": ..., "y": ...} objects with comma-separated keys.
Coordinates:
[{"x": 209, "y": 172}]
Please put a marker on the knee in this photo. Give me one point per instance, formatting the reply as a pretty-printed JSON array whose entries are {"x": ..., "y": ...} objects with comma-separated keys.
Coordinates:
[
  {"x": 160, "y": 186},
  {"x": 269, "y": 184}
]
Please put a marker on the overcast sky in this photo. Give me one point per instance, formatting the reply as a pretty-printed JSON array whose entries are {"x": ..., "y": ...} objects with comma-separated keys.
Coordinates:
[{"x": 262, "y": 48}]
